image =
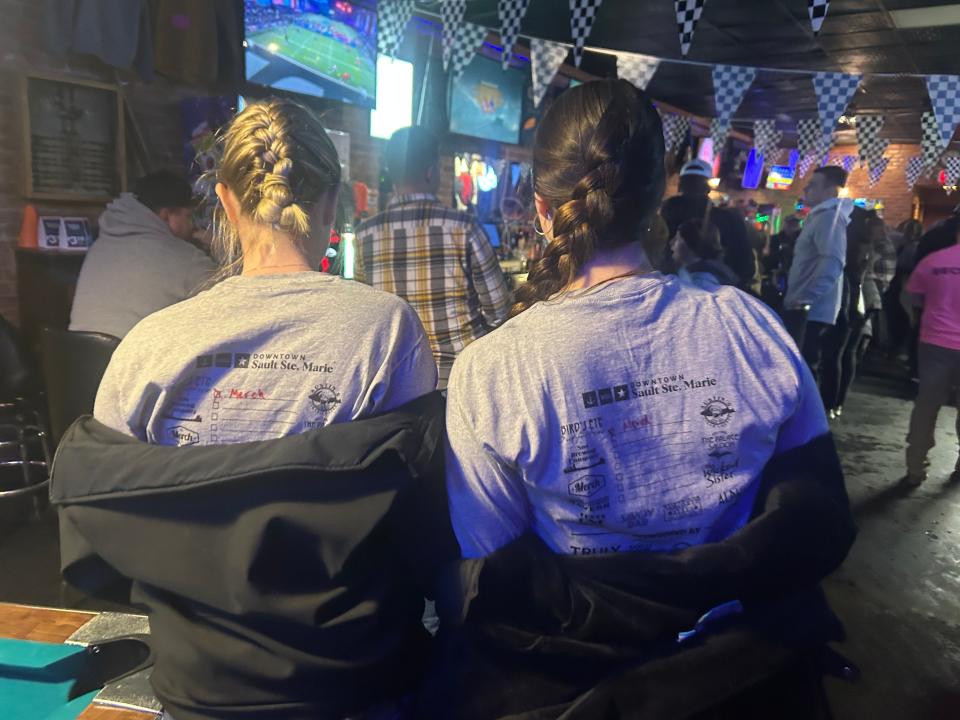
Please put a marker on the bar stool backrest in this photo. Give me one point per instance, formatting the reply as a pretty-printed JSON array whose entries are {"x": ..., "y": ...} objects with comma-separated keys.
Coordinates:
[
  {"x": 73, "y": 365},
  {"x": 15, "y": 371}
]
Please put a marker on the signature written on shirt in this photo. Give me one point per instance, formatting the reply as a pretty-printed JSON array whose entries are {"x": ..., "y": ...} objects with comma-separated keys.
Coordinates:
[{"x": 237, "y": 394}]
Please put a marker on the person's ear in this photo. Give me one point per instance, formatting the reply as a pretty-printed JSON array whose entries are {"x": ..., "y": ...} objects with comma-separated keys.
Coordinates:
[
  {"x": 544, "y": 212},
  {"x": 327, "y": 206},
  {"x": 231, "y": 205}
]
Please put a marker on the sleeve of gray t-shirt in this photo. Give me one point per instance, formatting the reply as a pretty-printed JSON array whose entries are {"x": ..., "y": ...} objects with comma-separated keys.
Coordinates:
[
  {"x": 414, "y": 372},
  {"x": 489, "y": 505}
]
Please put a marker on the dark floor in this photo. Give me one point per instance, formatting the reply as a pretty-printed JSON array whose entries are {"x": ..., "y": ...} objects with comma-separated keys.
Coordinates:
[{"x": 898, "y": 592}]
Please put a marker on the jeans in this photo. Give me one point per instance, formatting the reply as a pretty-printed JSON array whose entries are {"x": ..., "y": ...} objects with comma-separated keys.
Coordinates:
[{"x": 939, "y": 372}]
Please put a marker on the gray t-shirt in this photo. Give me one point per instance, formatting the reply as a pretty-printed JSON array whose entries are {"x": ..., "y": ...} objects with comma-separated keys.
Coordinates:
[
  {"x": 637, "y": 415},
  {"x": 136, "y": 267},
  {"x": 257, "y": 358}
]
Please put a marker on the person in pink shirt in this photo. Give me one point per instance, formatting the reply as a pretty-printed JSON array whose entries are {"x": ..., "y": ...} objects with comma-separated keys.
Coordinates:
[{"x": 935, "y": 285}]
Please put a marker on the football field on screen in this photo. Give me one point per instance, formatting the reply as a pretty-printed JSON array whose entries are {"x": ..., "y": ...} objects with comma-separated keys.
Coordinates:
[{"x": 321, "y": 54}]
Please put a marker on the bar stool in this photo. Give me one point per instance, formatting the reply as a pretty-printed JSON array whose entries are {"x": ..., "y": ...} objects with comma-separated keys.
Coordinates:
[
  {"x": 73, "y": 365},
  {"x": 24, "y": 440}
]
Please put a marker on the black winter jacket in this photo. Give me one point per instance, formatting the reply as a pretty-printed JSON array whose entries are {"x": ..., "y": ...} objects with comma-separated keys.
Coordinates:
[
  {"x": 283, "y": 579},
  {"x": 529, "y": 635}
]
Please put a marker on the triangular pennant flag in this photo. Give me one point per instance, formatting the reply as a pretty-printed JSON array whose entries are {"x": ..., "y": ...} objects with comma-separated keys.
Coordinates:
[
  {"x": 730, "y": 84},
  {"x": 393, "y": 19},
  {"x": 637, "y": 69},
  {"x": 834, "y": 92},
  {"x": 469, "y": 38},
  {"x": 675, "y": 129},
  {"x": 582, "y": 14},
  {"x": 914, "y": 170},
  {"x": 809, "y": 137},
  {"x": 719, "y": 131},
  {"x": 877, "y": 170},
  {"x": 953, "y": 171},
  {"x": 511, "y": 14},
  {"x": 545, "y": 59},
  {"x": 452, "y": 12},
  {"x": 688, "y": 15},
  {"x": 871, "y": 148},
  {"x": 818, "y": 11},
  {"x": 806, "y": 162},
  {"x": 930, "y": 142},
  {"x": 766, "y": 138},
  {"x": 848, "y": 162},
  {"x": 944, "y": 93}
]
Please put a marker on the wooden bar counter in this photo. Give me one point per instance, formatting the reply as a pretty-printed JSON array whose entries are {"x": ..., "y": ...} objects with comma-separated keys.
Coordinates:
[{"x": 23, "y": 622}]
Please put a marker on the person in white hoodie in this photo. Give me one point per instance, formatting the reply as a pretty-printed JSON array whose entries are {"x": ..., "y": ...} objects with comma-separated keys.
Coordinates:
[
  {"x": 815, "y": 282},
  {"x": 143, "y": 259}
]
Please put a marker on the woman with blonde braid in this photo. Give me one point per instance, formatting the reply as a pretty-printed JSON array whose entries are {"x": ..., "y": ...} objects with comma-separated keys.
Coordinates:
[
  {"x": 643, "y": 410},
  {"x": 274, "y": 348}
]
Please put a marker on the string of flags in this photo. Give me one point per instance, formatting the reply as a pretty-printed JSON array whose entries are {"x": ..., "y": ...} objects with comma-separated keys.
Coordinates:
[
  {"x": 452, "y": 12},
  {"x": 815, "y": 136},
  {"x": 511, "y": 14}
]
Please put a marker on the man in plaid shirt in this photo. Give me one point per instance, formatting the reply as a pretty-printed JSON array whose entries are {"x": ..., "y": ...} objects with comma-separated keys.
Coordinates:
[{"x": 437, "y": 259}]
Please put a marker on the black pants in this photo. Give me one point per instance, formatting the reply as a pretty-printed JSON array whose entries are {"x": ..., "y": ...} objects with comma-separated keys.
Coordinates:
[
  {"x": 835, "y": 342},
  {"x": 809, "y": 336}
]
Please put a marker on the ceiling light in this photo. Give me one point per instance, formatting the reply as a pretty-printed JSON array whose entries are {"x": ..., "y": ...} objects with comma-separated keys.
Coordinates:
[
  {"x": 714, "y": 183},
  {"x": 925, "y": 17}
]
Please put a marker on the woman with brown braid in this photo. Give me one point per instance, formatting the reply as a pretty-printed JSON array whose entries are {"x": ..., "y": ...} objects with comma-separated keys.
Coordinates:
[
  {"x": 275, "y": 348},
  {"x": 642, "y": 410}
]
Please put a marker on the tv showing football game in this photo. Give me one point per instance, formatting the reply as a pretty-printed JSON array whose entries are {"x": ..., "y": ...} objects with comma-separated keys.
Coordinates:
[
  {"x": 487, "y": 101},
  {"x": 325, "y": 48}
]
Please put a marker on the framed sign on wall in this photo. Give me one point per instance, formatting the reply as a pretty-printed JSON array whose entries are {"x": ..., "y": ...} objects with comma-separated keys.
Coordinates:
[{"x": 73, "y": 138}]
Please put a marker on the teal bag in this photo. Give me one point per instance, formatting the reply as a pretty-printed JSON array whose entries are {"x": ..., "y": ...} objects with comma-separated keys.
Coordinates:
[{"x": 36, "y": 678}]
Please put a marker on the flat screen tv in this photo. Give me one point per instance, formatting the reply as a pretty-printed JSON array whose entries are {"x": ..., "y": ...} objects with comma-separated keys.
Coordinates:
[
  {"x": 487, "y": 101},
  {"x": 325, "y": 48}
]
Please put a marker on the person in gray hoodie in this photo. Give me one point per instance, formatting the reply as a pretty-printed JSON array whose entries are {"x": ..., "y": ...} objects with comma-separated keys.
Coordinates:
[
  {"x": 815, "y": 282},
  {"x": 143, "y": 259}
]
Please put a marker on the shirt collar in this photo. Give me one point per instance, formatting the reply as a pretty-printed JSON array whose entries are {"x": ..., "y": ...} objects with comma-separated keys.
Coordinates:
[{"x": 413, "y": 198}]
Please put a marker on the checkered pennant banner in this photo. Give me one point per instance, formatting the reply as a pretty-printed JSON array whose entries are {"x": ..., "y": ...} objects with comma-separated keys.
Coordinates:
[
  {"x": 675, "y": 129},
  {"x": 877, "y": 170},
  {"x": 930, "y": 140},
  {"x": 845, "y": 161},
  {"x": 582, "y": 14},
  {"x": 766, "y": 139},
  {"x": 818, "y": 11},
  {"x": 834, "y": 92},
  {"x": 953, "y": 171},
  {"x": 719, "y": 131},
  {"x": 469, "y": 38},
  {"x": 915, "y": 168},
  {"x": 545, "y": 59},
  {"x": 688, "y": 15},
  {"x": 637, "y": 69},
  {"x": 809, "y": 137},
  {"x": 871, "y": 147},
  {"x": 806, "y": 162},
  {"x": 730, "y": 84},
  {"x": 944, "y": 93},
  {"x": 393, "y": 18},
  {"x": 511, "y": 14},
  {"x": 452, "y": 12}
]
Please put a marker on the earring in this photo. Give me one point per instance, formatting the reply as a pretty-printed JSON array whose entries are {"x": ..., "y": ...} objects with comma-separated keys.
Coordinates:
[{"x": 538, "y": 228}]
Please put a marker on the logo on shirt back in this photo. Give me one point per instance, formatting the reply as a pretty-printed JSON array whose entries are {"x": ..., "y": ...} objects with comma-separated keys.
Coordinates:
[
  {"x": 324, "y": 399},
  {"x": 717, "y": 411}
]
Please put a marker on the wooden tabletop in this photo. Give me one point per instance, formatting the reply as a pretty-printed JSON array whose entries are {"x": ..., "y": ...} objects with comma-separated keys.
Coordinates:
[{"x": 23, "y": 622}]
